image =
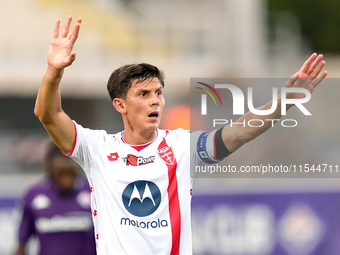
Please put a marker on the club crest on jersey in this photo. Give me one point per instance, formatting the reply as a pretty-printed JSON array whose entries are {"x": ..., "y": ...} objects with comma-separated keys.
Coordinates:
[
  {"x": 166, "y": 154},
  {"x": 132, "y": 160}
]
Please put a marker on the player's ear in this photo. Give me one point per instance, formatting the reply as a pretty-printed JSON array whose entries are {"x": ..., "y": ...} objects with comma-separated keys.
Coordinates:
[{"x": 119, "y": 104}]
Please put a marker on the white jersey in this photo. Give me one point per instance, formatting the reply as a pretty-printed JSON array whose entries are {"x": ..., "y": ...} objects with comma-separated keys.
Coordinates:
[{"x": 141, "y": 195}]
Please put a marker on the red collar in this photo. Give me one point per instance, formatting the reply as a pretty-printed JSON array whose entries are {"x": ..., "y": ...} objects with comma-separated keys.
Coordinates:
[{"x": 140, "y": 146}]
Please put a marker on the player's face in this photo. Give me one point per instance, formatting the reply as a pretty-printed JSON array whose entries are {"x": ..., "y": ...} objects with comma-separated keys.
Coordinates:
[
  {"x": 144, "y": 105},
  {"x": 64, "y": 173}
]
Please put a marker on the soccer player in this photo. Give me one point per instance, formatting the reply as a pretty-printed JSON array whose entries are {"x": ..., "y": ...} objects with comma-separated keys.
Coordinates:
[
  {"x": 57, "y": 210},
  {"x": 140, "y": 177}
]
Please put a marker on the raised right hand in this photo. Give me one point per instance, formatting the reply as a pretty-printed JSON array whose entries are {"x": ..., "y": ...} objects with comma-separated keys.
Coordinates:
[{"x": 60, "y": 54}]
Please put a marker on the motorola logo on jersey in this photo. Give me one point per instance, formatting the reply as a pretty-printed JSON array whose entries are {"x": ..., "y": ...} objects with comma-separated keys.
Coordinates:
[
  {"x": 132, "y": 160},
  {"x": 141, "y": 198}
]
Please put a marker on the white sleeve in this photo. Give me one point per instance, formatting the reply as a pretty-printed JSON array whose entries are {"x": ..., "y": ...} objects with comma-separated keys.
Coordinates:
[{"x": 87, "y": 144}]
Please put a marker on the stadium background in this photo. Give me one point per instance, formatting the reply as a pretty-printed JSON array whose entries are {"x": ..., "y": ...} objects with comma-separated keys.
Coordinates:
[{"x": 188, "y": 38}]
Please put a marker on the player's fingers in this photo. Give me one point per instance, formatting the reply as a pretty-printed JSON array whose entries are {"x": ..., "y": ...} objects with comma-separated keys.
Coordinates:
[
  {"x": 305, "y": 67},
  {"x": 70, "y": 59},
  {"x": 292, "y": 80},
  {"x": 73, "y": 56},
  {"x": 314, "y": 64},
  {"x": 75, "y": 31},
  {"x": 67, "y": 27},
  {"x": 56, "y": 29},
  {"x": 318, "y": 70},
  {"x": 318, "y": 80}
]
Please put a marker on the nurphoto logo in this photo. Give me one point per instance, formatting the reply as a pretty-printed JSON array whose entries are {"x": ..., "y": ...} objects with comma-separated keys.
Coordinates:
[{"x": 239, "y": 100}]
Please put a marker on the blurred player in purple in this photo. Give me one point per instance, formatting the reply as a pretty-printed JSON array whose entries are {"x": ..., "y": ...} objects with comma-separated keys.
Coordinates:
[{"x": 57, "y": 210}]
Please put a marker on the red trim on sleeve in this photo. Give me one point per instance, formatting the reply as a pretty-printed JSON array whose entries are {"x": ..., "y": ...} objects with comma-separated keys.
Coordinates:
[{"x": 74, "y": 143}]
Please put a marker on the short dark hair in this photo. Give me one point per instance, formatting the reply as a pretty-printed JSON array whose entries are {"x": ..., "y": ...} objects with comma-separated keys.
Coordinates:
[{"x": 122, "y": 78}]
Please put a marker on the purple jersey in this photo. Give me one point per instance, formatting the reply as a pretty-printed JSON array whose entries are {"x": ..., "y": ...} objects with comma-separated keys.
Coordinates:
[{"x": 63, "y": 224}]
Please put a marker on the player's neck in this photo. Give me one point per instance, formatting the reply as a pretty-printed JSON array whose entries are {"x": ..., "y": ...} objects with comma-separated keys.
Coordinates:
[{"x": 138, "y": 138}]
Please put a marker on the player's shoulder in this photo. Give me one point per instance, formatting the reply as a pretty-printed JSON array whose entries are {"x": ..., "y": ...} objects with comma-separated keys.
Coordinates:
[
  {"x": 95, "y": 136},
  {"x": 38, "y": 188},
  {"x": 174, "y": 132},
  {"x": 93, "y": 131},
  {"x": 181, "y": 134},
  {"x": 41, "y": 185},
  {"x": 178, "y": 134}
]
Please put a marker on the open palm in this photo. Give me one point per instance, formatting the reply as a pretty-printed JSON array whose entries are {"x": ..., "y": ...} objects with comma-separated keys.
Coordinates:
[
  {"x": 307, "y": 76},
  {"x": 60, "y": 53}
]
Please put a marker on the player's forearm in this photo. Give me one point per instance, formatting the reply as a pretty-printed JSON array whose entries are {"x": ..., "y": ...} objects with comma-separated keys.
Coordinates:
[
  {"x": 236, "y": 135},
  {"x": 272, "y": 117},
  {"x": 48, "y": 103},
  {"x": 265, "y": 122}
]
